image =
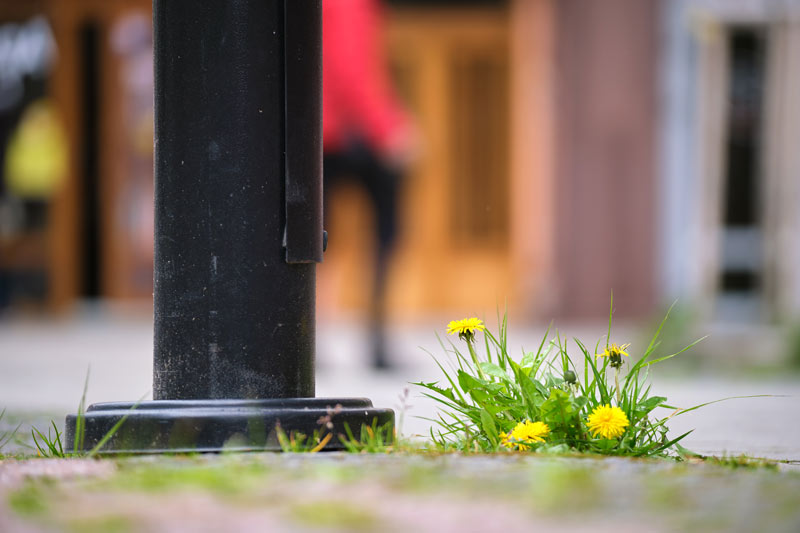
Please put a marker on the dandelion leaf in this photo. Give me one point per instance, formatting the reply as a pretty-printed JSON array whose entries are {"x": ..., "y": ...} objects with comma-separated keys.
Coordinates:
[
  {"x": 488, "y": 426},
  {"x": 469, "y": 383},
  {"x": 644, "y": 407},
  {"x": 528, "y": 359},
  {"x": 558, "y": 409},
  {"x": 491, "y": 369},
  {"x": 434, "y": 386},
  {"x": 530, "y": 392}
]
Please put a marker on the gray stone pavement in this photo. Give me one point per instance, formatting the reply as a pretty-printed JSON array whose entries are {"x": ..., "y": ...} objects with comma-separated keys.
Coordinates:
[
  {"x": 340, "y": 492},
  {"x": 43, "y": 364}
]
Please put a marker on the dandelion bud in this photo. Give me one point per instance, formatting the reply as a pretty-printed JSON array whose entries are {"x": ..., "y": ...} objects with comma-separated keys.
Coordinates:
[
  {"x": 614, "y": 354},
  {"x": 570, "y": 377}
]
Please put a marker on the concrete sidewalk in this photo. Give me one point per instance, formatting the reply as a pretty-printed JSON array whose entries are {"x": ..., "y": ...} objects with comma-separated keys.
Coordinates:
[{"x": 43, "y": 365}]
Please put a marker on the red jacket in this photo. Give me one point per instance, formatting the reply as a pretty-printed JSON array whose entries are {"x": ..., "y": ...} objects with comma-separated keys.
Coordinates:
[{"x": 358, "y": 100}]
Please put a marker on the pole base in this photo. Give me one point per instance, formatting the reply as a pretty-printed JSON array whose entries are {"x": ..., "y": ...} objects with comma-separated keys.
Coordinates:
[{"x": 201, "y": 426}]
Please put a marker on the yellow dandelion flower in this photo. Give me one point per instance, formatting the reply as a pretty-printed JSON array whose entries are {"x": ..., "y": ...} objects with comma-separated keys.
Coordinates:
[
  {"x": 615, "y": 350},
  {"x": 608, "y": 422},
  {"x": 454, "y": 327},
  {"x": 525, "y": 432},
  {"x": 528, "y": 431},
  {"x": 465, "y": 328}
]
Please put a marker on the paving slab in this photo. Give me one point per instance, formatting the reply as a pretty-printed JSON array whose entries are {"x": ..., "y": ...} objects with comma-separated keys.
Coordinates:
[{"x": 345, "y": 492}]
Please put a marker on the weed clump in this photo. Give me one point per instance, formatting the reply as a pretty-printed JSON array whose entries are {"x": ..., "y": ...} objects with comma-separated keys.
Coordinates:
[{"x": 551, "y": 400}]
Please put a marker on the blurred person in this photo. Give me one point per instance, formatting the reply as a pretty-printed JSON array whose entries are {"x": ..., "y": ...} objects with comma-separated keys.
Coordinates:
[{"x": 368, "y": 135}]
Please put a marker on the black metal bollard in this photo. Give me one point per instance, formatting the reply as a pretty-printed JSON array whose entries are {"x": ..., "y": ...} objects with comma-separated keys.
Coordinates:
[{"x": 238, "y": 211}]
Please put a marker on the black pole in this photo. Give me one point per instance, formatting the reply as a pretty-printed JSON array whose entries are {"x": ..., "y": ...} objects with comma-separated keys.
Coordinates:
[
  {"x": 233, "y": 319},
  {"x": 238, "y": 207}
]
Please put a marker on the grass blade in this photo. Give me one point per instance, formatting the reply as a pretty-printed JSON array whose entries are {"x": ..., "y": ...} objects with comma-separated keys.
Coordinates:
[
  {"x": 110, "y": 433},
  {"x": 80, "y": 419}
]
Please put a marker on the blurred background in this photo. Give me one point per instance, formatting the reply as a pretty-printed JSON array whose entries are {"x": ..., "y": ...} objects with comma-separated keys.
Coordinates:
[{"x": 563, "y": 149}]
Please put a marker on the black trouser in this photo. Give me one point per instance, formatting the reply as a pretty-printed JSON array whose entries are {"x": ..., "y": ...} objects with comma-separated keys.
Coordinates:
[{"x": 362, "y": 165}]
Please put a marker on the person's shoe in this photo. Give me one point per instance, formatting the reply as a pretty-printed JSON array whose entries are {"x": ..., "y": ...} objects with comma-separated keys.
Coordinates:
[{"x": 382, "y": 364}]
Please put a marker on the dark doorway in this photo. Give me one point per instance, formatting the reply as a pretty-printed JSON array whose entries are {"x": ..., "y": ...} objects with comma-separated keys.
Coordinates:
[{"x": 90, "y": 46}]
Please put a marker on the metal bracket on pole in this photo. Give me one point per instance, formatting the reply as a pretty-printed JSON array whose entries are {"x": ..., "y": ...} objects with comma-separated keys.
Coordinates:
[{"x": 303, "y": 236}]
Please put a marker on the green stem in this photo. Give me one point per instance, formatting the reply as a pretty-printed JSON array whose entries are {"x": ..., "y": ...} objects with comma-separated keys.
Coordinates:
[
  {"x": 475, "y": 360},
  {"x": 616, "y": 383}
]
